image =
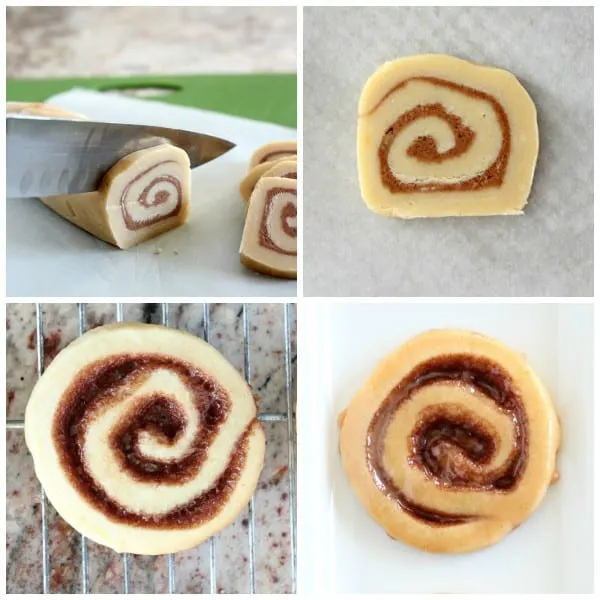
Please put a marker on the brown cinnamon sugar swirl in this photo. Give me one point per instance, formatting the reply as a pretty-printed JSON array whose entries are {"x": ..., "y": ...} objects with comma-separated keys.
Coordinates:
[
  {"x": 145, "y": 438},
  {"x": 451, "y": 443},
  {"x": 269, "y": 241},
  {"x": 439, "y": 136}
]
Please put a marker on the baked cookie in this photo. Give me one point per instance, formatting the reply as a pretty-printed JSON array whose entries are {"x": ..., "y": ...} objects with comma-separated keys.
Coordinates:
[
  {"x": 439, "y": 136},
  {"x": 451, "y": 443},
  {"x": 144, "y": 438}
]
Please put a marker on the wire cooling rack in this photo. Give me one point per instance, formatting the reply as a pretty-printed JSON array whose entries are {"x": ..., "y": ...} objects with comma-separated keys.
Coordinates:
[{"x": 287, "y": 417}]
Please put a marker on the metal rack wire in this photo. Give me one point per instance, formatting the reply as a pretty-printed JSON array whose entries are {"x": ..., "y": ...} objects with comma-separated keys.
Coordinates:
[{"x": 288, "y": 417}]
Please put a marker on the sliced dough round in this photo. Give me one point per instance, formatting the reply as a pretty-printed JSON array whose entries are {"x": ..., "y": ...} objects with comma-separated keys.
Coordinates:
[
  {"x": 269, "y": 240},
  {"x": 440, "y": 136},
  {"x": 451, "y": 443},
  {"x": 278, "y": 168},
  {"x": 273, "y": 151},
  {"x": 143, "y": 195},
  {"x": 144, "y": 438}
]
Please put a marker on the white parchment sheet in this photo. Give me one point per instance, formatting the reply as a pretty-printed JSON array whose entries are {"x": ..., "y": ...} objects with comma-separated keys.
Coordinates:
[
  {"x": 350, "y": 251},
  {"x": 48, "y": 256}
]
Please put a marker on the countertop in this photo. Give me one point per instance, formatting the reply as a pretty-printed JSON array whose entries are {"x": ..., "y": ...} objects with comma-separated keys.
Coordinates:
[
  {"x": 90, "y": 41},
  {"x": 149, "y": 574}
]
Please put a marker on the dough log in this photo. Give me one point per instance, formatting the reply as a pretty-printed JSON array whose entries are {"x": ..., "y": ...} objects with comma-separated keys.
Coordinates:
[
  {"x": 451, "y": 443},
  {"x": 285, "y": 167},
  {"x": 143, "y": 195},
  {"x": 270, "y": 232},
  {"x": 144, "y": 438},
  {"x": 439, "y": 136}
]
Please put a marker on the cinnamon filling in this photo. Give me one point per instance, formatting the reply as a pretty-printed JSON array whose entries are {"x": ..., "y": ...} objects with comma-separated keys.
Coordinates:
[
  {"x": 148, "y": 198},
  {"x": 100, "y": 386},
  {"x": 424, "y": 147},
  {"x": 288, "y": 211},
  {"x": 449, "y": 443}
]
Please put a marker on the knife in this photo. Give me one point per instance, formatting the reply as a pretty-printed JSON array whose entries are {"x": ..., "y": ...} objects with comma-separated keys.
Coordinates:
[{"x": 48, "y": 157}]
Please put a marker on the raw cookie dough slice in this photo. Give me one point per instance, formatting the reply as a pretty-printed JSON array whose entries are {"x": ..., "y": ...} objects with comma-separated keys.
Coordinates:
[
  {"x": 451, "y": 443},
  {"x": 273, "y": 151},
  {"x": 278, "y": 168},
  {"x": 269, "y": 238},
  {"x": 439, "y": 136},
  {"x": 144, "y": 438},
  {"x": 143, "y": 195}
]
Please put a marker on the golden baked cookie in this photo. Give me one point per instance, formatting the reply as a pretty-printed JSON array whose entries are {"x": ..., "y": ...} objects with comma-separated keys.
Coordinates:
[
  {"x": 451, "y": 443},
  {"x": 440, "y": 136},
  {"x": 144, "y": 438}
]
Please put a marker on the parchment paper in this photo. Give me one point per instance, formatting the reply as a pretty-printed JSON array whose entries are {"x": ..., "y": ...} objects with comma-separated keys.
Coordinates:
[
  {"x": 349, "y": 251},
  {"x": 48, "y": 256}
]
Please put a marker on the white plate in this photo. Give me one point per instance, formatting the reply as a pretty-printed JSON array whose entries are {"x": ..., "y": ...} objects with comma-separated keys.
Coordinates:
[
  {"x": 48, "y": 256},
  {"x": 552, "y": 552}
]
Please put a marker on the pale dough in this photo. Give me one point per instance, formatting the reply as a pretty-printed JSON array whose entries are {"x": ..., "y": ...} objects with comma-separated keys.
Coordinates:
[
  {"x": 273, "y": 151},
  {"x": 269, "y": 240},
  {"x": 424, "y": 437},
  {"x": 439, "y": 136},
  {"x": 283, "y": 167},
  {"x": 71, "y": 391}
]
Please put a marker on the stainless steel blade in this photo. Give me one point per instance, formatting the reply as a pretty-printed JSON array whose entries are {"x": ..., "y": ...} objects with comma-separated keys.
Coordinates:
[{"x": 47, "y": 157}]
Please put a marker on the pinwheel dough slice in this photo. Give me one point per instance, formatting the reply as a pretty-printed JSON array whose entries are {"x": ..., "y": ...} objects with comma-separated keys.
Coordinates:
[
  {"x": 273, "y": 151},
  {"x": 451, "y": 443},
  {"x": 270, "y": 232},
  {"x": 143, "y": 195},
  {"x": 145, "y": 438},
  {"x": 285, "y": 167},
  {"x": 439, "y": 136}
]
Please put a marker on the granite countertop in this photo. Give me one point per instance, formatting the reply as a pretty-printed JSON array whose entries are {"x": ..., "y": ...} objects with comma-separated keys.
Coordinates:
[
  {"x": 87, "y": 41},
  {"x": 149, "y": 574}
]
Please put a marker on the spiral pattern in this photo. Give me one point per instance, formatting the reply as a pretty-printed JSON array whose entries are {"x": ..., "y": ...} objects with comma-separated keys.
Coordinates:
[
  {"x": 412, "y": 159},
  {"x": 151, "y": 196},
  {"x": 451, "y": 443},
  {"x": 440, "y": 136},
  {"x": 153, "y": 441},
  {"x": 278, "y": 229}
]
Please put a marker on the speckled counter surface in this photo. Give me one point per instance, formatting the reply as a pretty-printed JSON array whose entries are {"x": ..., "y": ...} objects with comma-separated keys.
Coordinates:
[
  {"x": 149, "y": 574},
  {"x": 87, "y": 41}
]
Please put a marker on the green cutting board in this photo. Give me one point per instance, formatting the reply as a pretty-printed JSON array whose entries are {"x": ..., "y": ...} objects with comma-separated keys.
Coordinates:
[{"x": 268, "y": 97}]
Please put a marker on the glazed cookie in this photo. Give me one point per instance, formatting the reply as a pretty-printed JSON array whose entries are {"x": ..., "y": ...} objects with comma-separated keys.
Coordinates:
[
  {"x": 451, "y": 443},
  {"x": 439, "y": 136},
  {"x": 144, "y": 438},
  {"x": 270, "y": 232}
]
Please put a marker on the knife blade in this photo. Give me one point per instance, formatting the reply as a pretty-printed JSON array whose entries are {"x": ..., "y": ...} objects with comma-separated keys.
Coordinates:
[{"x": 48, "y": 157}]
